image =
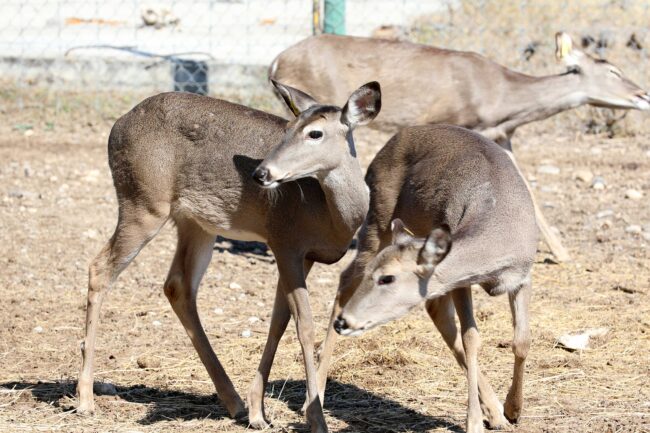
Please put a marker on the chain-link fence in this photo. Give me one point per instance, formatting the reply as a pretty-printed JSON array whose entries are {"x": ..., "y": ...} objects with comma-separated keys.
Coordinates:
[{"x": 51, "y": 49}]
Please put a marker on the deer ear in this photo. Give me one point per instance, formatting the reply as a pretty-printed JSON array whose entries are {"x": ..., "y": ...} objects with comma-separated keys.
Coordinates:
[
  {"x": 296, "y": 100},
  {"x": 363, "y": 105},
  {"x": 564, "y": 50},
  {"x": 435, "y": 247},
  {"x": 401, "y": 235}
]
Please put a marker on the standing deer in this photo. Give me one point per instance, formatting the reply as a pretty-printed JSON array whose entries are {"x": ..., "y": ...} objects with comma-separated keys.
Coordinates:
[
  {"x": 471, "y": 221},
  {"x": 189, "y": 158},
  {"x": 423, "y": 85}
]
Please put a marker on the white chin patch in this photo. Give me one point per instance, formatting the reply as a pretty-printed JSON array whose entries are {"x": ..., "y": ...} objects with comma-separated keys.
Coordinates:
[
  {"x": 352, "y": 332},
  {"x": 271, "y": 185}
]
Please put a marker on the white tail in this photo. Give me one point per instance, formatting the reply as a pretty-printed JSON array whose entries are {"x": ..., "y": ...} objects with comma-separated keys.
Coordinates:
[{"x": 190, "y": 158}]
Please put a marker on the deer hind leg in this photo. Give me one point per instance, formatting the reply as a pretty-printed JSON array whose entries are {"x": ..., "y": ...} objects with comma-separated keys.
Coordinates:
[
  {"x": 193, "y": 254},
  {"x": 471, "y": 343},
  {"x": 519, "y": 302},
  {"x": 442, "y": 312},
  {"x": 135, "y": 227}
]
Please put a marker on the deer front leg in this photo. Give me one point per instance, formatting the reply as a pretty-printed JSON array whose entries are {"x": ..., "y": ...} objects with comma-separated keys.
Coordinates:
[
  {"x": 471, "y": 343},
  {"x": 442, "y": 312},
  {"x": 520, "y": 344},
  {"x": 348, "y": 282},
  {"x": 279, "y": 320},
  {"x": 298, "y": 300}
]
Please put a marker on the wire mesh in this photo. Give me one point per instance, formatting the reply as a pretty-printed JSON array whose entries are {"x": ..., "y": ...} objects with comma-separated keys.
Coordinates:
[{"x": 223, "y": 47}]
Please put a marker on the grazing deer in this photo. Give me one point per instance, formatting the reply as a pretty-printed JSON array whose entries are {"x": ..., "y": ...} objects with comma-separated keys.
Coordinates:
[
  {"x": 423, "y": 85},
  {"x": 189, "y": 158},
  {"x": 471, "y": 221}
]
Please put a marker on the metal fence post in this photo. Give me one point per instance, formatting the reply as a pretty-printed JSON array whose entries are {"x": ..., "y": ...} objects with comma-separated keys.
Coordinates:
[
  {"x": 335, "y": 17},
  {"x": 317, "y": 26}
]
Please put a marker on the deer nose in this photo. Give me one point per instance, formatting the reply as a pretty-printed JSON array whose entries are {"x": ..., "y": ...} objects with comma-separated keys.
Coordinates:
[
  {"x": 261, "y": 175},
  {"x": 340, "y": 324}
]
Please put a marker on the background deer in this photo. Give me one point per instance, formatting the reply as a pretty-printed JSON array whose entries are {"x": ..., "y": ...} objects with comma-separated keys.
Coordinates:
[
  {"x": 431, "y": 177},
  {"x": 423, "y": 84},
  {"x": 189, "y": 158}
]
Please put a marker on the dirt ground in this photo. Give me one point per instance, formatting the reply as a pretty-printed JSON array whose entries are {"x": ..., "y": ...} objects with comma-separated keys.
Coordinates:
[{"x": 57, "y": 208}]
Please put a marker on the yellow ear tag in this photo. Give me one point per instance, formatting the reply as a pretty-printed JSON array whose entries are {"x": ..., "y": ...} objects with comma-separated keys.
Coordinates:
[
  {"x": 293, "y": 107},
  {"x": 564, "y": 46},
  {"x": 408, "y": 231}
]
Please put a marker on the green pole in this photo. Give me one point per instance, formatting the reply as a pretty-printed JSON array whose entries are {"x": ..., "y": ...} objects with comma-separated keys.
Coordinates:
[{"x": 334, "y": 17}]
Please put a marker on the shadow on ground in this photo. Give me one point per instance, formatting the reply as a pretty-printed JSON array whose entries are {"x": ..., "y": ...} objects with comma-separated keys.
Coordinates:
[{"x": 362, "y": 411}]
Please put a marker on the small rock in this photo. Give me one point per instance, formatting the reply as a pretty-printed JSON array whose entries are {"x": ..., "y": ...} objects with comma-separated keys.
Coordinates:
[
  {"x": 234, "y": 286},
  {"x": 583, "y": 175},
  {"x": 548, "y": 169},
  {"x": 19, "y": 193},
  {"x": 156, "y": 323},
  {"x": 605, "y": 213},
  {"x": 260, "y": 304},
  {"x": 38, "y": 329},
  {"x": 246, "y": 333},
  {"x": 633, "y": 229},
  {"x": 606, "y": 224},
  {"x": 90, "y": 233},
  {"x": 28, "y": 171},
  {"x": 633, "y": 194},
  {"x": 148, "y": 361},
  {"x": 596, "y": 151},
  {"x": 218, "y": 311},
  {"x": 28, "y": 133},
  {"x": 646, "y": 236},
  {"x": 253, "y": 319},
  {"x": 598, "y": 183},
  {"x": 103, "y": 388},
  {"x": 580, "y": 341},
  {"x": 92, "y": 176}
]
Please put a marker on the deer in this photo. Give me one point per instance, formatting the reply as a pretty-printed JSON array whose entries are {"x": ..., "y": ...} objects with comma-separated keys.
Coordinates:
[
  {"x": 215, "y": 167},
  {"x": 448, "y": 210},
  {"x": 427, "y": 85}
]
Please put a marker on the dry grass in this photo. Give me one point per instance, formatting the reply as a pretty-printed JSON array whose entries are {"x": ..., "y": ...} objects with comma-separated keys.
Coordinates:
[{"x": 400, "y": 378}]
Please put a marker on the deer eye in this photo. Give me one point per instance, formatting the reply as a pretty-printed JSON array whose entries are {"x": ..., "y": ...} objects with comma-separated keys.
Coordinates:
[
  {"x": 315, "y": 134},
  {"x": 386, "y": 279}
]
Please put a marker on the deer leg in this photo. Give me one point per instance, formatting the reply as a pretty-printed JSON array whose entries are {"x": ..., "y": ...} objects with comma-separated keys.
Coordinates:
[
  {"x": 348, "y": 282},
  {"x": 471, "y": 343},
  {"x": 279, "y": 321},
  {"x": 519, "y": 302},
  {"x": 135, "y": 227},
  {"x": 193, "y": 254},
  {"x": 441, "y": 310},
  {"x": 553, "y": 242},
  {"x": 292, "y": 272}
]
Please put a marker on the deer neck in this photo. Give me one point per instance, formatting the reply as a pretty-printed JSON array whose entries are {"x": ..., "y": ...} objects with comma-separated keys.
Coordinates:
[
  {"x": 346, "y": 194},
  {"x": 536, "y": 98}
]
